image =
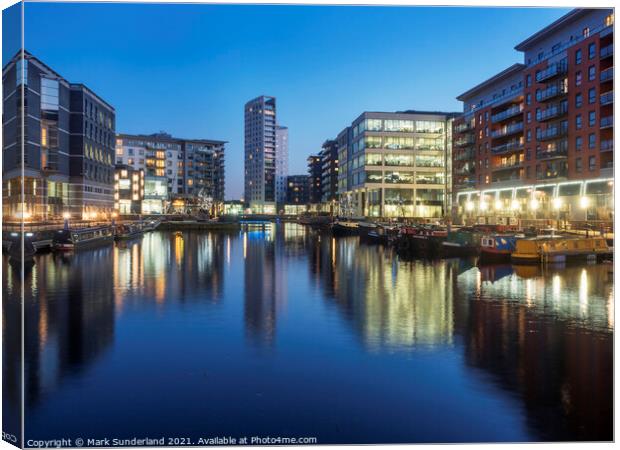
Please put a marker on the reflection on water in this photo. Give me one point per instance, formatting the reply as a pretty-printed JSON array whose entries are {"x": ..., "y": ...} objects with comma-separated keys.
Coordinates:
[{"x": 285, "y": 331}]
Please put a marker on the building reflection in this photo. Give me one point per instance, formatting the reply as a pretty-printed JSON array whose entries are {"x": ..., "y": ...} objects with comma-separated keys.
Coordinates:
[{"x": 546, "y": 336}]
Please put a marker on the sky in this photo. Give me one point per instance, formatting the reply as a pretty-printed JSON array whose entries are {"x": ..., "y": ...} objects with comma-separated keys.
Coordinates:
[{"x": 189, "y": 69}]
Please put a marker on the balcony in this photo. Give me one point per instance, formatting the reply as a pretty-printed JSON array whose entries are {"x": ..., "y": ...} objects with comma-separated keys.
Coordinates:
[
  {"x": 507, "y": 165},
  {"x": 552, "y": 174},
  {"x": 607, "y": 122},
  {"x": 551, "y": 113},
  {"x": 551, "y": 92},
  {"x": 465, "y": 141},
  {"x": 553, "y": 154},
  {"x": 607, "y": 98},
  {"x": 552, "y": 133},
  {"x": 607, "y": 75},
  {"x": 466, "y": 170},
  {"x": 463, "y": 127},
  {"x": 511, "y": 146},
  {"x": 607, "y": 52},
  {"x": 507, "y": 114},
  {"x": 551, "y": 72},
  {"x": 464, "y": 155},
  {"x": 508, "y": 130},
  {"x": 607, "y": 145}
]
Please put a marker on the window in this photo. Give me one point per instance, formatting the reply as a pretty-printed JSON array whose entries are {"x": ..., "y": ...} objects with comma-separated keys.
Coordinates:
[
  {"x": 578, "y": 78},
  {"x": 591, "y": 50},
  {"x": 529, "y": 115},
  {"x": 592, "y": 163},
  {"x": 528, "y": 99},
  {"x": 578, "y": 100},
  {"x": 49, "y": 94},
  {"x": 578, "y": 165},
  {"x": 578, "y": 57},
  {"x": 578, "y": 121},
  {"x": 22, "y": 64},
  {"x": 528, "y": 136},
  {"x": 586, "y": 32},
  {"x": 592, "y": 95},
  {"x": 528, "y": 80},
  {"x": 592, "y": 118},
  {"x": 541, "y": 55},
  {"x": 130, "y": 151},
  {"x": 556, "y": 47},
  {"x": 591, "y": 141},
  {"x": 592, "y": 73},
  {"x": 578, "y": 143}
]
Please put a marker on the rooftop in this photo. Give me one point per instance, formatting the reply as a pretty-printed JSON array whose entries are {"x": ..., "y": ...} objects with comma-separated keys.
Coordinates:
[{"x": 504, "y": 74}]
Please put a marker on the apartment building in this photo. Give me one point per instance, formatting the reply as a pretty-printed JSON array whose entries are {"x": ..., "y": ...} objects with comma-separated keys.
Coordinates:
[
  {"x": 535, "y": 141},
  {"x": 179, "y": 174},
  {"x": 64, "y": 152},
  {"x": 393, "y": 164},
  {"x": 315, "y": 179}
]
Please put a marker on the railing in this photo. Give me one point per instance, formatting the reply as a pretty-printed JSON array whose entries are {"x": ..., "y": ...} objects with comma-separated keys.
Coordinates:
[
  {"x": 607, "y": 145},
  {"x": 551, "y": 71},
  {"x": 510, "y": 112},
  {"x": 550, "y": 92},
  {"x": 508, "y": 165},
  {"x": 551, "y": 112},
  {"x": 607, "y": 121},
  {"x": 548, "y": 176},
  {"x": 607, "y": 98},
  {"x": 460, "y": 128},
  {"x": 468, "y": 140},
  {"x": 607, "y": 51},
  {"x": 559, "y": 153},
  {"x": 508, "y": 147},
  {"x": 607, "y": 75},
  {"x": 508, "y": 130},
  {"x": 463, "y": 156},
  {"x": 552, "y": 133},
  {"x": 465, "y": 171}
]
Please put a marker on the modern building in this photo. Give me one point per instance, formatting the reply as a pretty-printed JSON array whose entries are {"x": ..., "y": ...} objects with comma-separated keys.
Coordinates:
[
  {"x": 393, "y": 164},
  {"x": 315, "y": 179},
  {"x": 67, "y": 159},
  {"x": 329, "y": 175},
  {"x": 182, "y": 175},
  {"x": 297, "y": 190},
  {"x": 260, "y": 155},
  {"x": 281, "y": 163},
  {"x": 535, "y": 141},
  {"x": 128, "y": 189}
]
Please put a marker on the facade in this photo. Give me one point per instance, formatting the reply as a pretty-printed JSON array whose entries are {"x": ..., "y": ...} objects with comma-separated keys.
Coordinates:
[
  {"x": 329, "y": 174},
  {"x": 315, "y": 179},
  {"x": 281, "y": 163},
  {"x": 67, "y": 160},
  {"x": 128, "y": 189},
  {"x": 297, "y": 190},
  {"x": 181, "y": 175},
  {"x": 260, "y": 155},
  {"x": 535, "y": 142},
  {"x": 393, "y": 164}
]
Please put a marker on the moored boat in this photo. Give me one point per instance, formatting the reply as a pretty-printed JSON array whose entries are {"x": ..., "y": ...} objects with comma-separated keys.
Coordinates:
[
  {"x": 497, "y": 247},
  {"x": 150, "y": 225},
  {"x": 82, "y": 238},
  {"x": 461, "y": 242},
  {"x": 128, "y": 231},
  {"x": 364, "y": 228},
  {"x": 345, "y": 228},
  {"x": 420, "y": 242},
  {"x": 559, "y": 249}
]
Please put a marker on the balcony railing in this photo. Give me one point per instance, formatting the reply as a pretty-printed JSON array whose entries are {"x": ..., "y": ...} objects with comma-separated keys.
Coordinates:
[
  {"x": 464, "y": 141},
  {"x": 466, "y": 170},
  {"x": 607, "y": 122},
  {"x": 508, "y": 165},
  {"x": 558, "y": 153},
  {"x": 506, "y": 114},
  {"x": 551, "y": 92},
  {"x": 607, "y": 145},
  {"x": 608, "y": 51},
  {"x": 507, "y": 147},
  {"x": 552, "y": 112},
  {"x": 551, "y": 71},
  {"x": 560, "y": 173},
  {"x": 464, "y": 155},
  {"x": 508, "y": 130},
  {"x": 607, "y": 98},
  {"x": 463, "y": 127},
  {"x": 607, "y": 75},
  {"x": 552, "y": 133}
]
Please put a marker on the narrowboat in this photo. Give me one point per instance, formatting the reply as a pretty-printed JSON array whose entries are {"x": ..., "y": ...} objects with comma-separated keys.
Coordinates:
[
  {"x": 67, "y": 240},
  {"x": 497, "y": 248},
  {"x": 364, "y": 228},
  {"x": 461, "y": 242},
  {"x": 380, "y": 234},
  {"x": 559, "y": 249},
  {"x": 150, "y": 225},
  {"x": 345, "y": 228},
  {"x": 421, "y": 242},
  {"x": 128, "y": 231}
]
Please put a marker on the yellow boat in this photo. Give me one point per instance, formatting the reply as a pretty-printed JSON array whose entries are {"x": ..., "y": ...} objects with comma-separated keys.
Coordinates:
[{"x": 555, "y": 249}]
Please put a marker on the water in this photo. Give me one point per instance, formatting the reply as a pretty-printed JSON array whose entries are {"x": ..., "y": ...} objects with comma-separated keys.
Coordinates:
[{"x": 286, "y": 332}]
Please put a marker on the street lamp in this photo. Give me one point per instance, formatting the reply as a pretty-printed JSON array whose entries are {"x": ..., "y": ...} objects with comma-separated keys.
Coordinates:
[{"x": 66, "y": 217}]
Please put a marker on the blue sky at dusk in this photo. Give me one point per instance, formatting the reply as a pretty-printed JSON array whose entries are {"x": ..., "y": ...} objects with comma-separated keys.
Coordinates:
[{"x": 189, "y": 69}]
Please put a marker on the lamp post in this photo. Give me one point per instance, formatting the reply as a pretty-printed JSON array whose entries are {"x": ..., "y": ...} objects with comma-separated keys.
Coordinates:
[{"x": 66, "y": 217}]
